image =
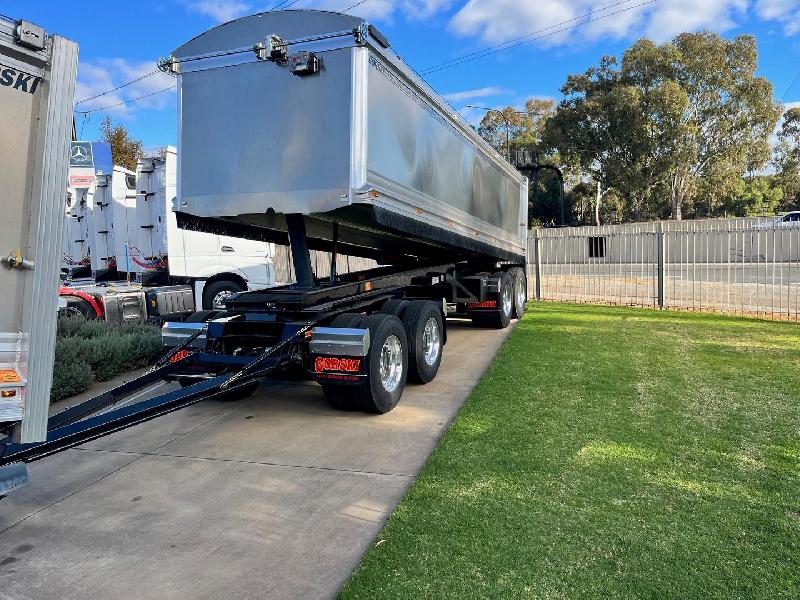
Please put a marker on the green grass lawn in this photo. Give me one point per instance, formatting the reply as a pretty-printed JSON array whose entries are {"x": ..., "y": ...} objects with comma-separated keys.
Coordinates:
[{"x": 611, "y": 453}]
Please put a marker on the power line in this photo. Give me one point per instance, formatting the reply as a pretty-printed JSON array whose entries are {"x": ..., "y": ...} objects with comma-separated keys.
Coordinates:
[
  {"x": 527, "y": 35},
  {"x": 791, "y": 85},
  {"x": 532, "y": 37},
  {"x": 283, "y": 5},
  {"x": 119, "y": 87},
  {"x": 349, "y": 8},
  {"x": 85, "y": 112}
]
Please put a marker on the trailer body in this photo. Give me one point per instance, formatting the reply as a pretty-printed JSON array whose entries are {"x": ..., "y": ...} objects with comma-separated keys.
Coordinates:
[
  {"x": 362, "y": 143},
  {"x": 37, "y": 86}
]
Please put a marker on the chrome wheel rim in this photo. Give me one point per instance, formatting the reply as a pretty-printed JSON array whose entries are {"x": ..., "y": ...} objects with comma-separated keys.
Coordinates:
[
  {"x": 508, "y": 298},
  {"x": 219, "y": 299},
  {"x": 521, "y": 292},
  {"x": 431, "y": 340},
  {"x": 391, "y": 363}
]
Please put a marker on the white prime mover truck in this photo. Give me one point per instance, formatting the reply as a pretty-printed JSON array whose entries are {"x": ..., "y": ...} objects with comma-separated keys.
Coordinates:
[{"x": 128, "y": 256}]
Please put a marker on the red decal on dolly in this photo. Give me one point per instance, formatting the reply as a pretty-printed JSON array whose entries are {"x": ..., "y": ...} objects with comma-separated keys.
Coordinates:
[
  {"x": 330, "y": 363},
  {"x": 179, "y": 356}
]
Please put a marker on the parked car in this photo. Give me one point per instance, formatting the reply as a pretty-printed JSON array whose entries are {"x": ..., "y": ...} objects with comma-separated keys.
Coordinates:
[{"x": 790, "y": 219}]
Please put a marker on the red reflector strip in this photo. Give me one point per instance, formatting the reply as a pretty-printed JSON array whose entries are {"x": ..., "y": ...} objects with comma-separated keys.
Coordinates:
[
  {"x": 330, "y": 363},
  {"x": 179, "y": 356},
  {"x": 8, "y": 393},
  {"x": 484, "y": 304}
]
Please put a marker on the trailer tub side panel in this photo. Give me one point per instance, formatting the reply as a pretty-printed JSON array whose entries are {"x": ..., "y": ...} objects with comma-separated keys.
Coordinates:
[{"x": 363, "y": 143}]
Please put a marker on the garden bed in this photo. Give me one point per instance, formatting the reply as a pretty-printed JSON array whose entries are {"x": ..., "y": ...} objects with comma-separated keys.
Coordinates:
[{"x": 88, "y": 351}]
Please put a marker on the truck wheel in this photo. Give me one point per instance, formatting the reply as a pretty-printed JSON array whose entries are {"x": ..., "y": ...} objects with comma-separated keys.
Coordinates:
[
  {"x": 394, "y": 307},
  {"x": 340, "y": 397},
  {"x": 349, "y": 320},
  {"x": 520, "y": 291},
  {"x": 501, "y": 317},
  {"x": 79, "y": 307},
  {"x": 422, "y": 320},
  {"x": 240, "y": 393},
  {"x": 214, "y": 294},
  {"x": 387, "y": 365},
  {"x": 202, "y": 316}
]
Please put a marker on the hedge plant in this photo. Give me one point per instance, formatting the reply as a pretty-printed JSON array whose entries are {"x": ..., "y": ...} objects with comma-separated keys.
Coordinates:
[{"x": 88, "y": 351}]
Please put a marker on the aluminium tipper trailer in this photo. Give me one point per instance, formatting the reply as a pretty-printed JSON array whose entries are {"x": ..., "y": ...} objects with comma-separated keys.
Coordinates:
[
  {"x": 360, "y": 335},
  {"x": 37, "y": 88},
  {"x": 323, "y": 119}
]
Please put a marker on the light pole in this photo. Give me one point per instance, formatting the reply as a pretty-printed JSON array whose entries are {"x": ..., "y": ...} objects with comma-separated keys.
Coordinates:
[
  {"x": 505, "y": 120},
  {"x": 534, "y": 167}
]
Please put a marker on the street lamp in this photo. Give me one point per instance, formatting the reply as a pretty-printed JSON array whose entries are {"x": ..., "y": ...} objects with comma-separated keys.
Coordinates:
[
  {"x": 505, "y": 120},
  {"x": 531, "y": 167}
]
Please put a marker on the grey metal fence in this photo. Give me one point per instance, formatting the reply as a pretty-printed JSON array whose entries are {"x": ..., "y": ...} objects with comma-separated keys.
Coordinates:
[{"x": 741, "y": 266}]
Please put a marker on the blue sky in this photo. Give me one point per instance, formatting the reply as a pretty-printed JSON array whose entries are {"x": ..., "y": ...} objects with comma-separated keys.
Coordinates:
[{"x": 120, "y": 41}]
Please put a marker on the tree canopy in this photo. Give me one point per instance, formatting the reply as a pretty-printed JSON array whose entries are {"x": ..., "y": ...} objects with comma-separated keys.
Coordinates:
[
  {"x": 667, "y": 129},
  {"x": 125, "y": 151}
]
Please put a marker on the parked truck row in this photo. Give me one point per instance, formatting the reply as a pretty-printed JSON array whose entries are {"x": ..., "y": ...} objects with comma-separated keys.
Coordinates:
[
  {"x": 304, "y": 129},
  {"x": 125, "y": 258}
]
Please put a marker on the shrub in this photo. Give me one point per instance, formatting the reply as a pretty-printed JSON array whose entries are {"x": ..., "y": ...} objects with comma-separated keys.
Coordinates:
[
  {"x": 71, "y": 374},
  {"x": 69, "y": 326},
  {"x": 96, "y": 350}
]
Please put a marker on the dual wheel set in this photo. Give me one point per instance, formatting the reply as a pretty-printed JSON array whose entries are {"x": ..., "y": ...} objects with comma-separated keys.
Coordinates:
[{"x": 406, "y": 344}]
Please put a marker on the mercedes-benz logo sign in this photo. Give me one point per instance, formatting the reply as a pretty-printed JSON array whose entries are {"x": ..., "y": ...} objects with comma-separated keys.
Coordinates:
[{"x": 79, "y": 152}]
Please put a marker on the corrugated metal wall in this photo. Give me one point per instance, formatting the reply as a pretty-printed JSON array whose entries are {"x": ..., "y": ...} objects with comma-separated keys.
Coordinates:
[{"x": 743, "y": 266}]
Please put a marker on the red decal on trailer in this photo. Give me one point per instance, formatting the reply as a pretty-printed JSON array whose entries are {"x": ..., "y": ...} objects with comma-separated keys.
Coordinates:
[
  {"x": 331, "y": 363},
  {"x": 484, "y": 304}
]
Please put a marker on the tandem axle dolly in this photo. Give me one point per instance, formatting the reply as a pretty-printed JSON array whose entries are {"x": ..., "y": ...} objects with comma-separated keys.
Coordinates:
[{"x": 361, "y": 336}]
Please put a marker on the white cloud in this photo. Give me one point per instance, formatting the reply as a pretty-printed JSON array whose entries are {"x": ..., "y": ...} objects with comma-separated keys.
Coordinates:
[
  {"x": 422, "y": 9},
  {"x": 786, "y": 12},
  {"x": 379, "y": 10},
  {"x": 485, "y": 92},
  {"x": 96, "y": 77},
  {"x": 219, "y": 10},
  {"x": 497, "y": 21}
]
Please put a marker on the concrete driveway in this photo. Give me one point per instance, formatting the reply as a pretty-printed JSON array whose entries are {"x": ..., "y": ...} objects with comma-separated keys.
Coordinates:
[{"x": 275, "y": 496}]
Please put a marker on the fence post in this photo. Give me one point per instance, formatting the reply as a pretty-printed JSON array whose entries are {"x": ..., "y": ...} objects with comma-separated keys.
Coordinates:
[
  {"x": 660, "y": 258},
  {"x": 537, "y": 266}
]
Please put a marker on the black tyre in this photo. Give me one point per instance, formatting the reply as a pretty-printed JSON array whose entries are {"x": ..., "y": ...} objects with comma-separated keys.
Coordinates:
[
  {"x": 500, "y": 317},
  {"x": 394, "y": 307},
  {"x": 214, "y": 294},
  {"x": 349, "y": 320},
  {"x": 424, "y": 327},
  {"x": 387, "y": 365},
  {"x": 201, "y": 316},
  {"x": 79, "y": 307},
  {"x": 240, "y": 393},
  {"x": 520, "y": 291},
  {"x": 341, "y": 397}
]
